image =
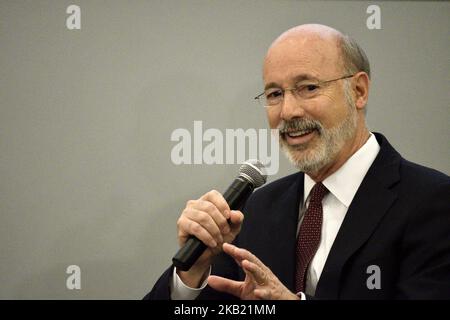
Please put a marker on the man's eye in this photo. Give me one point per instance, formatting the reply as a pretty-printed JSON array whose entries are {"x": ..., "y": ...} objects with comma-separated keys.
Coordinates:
[
  {"x": 311, "y": 87},
  {"x": 273, "y": 94}
]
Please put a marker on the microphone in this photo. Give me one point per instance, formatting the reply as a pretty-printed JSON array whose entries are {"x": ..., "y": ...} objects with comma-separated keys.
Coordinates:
[{"x": 251, "y": 175}]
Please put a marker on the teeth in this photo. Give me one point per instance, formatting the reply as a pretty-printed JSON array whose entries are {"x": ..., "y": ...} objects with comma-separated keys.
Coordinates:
[{"x": 298, "y": 133}]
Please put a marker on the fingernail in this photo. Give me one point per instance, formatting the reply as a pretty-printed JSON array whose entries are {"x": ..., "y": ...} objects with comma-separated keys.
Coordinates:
[
  {"x": 213, "y": 243},
  {"x": 226, "y": 230}
]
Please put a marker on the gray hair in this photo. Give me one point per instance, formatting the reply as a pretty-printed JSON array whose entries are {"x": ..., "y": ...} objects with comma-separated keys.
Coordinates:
[
  {"x": 354, "y": 57},
  {"x": 354, "y": 60}
]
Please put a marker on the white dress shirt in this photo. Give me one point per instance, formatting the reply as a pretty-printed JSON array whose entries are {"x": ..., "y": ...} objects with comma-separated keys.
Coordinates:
[{"x": 342, "y": 185}]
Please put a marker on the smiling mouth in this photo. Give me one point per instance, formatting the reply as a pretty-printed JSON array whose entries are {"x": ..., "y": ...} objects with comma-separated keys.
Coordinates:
[
  {"x": 299, "y": 133},
  {"x": 298, "y": 138}
]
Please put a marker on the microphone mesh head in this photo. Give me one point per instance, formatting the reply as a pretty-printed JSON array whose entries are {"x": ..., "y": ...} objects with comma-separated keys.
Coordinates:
[{"x": 254, "y": 171}]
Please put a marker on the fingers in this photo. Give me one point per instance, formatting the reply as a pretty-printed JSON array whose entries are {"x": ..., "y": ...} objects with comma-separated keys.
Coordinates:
[
  {"x": 240, "y": 254},
  {"x": 201, "y": 225},
  {"x": 209, "y": 234},
  {"x": 225, "y": 285},
  {"x": 257, "y": 274},
  {"x": 206, "y": 219},
  {"x": 216, "y": 198},
  {"x": 218, "y": 217},
  {"x": 260, "y": 282},
  {"x": 236, "y": 217},
  {"x": 252, "y": 266},
  {"x": 237, "y": 288}
]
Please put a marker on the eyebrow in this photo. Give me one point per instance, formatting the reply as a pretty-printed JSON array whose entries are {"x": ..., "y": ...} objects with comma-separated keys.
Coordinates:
[{"x": 296, "y": 79}]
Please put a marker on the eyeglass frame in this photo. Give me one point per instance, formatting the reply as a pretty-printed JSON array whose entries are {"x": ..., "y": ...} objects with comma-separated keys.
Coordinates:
[{"x": 319, "y": 83}]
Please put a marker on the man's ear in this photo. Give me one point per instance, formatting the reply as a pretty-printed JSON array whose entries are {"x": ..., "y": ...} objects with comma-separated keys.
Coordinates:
[{"x": 361, "y": 86}]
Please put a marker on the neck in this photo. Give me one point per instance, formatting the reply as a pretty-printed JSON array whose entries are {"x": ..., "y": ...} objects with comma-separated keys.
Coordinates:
[{"x": 344, "y": 154}]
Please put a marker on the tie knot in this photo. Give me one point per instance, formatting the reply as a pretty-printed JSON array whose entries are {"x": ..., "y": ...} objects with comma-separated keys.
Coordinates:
[{"x": 318, "y": 192}]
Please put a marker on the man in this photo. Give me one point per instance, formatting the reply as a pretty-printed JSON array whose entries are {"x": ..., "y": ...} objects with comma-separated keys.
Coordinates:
[{"x": 357, "y": 222}]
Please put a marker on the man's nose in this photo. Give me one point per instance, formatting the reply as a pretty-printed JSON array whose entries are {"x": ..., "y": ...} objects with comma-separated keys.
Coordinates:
[{"x": 291, "y": 107}]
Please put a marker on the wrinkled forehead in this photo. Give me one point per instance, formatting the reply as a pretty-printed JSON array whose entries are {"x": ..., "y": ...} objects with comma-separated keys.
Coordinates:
[{"x": 310, "y": 54}]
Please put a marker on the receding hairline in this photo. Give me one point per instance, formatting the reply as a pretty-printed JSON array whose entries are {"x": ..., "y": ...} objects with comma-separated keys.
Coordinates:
[
  {"x": 306, "y": 32},
  {"x": 314, "y": 30},
  {"x": 350, "y": 54}
]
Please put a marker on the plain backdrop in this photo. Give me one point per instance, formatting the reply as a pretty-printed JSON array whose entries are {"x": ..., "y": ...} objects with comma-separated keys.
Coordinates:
[{"x": 86, "y": 176}]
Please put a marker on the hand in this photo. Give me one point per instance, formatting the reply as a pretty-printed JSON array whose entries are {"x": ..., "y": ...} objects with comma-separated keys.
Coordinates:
[
  {"x": 259, "y": 283},
  {"x": 206, "y": 219}
]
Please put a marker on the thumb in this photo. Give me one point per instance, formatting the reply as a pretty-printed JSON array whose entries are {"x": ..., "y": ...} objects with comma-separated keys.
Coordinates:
[
  {"x": 225, "y": 285},
  {"x": 236, "y": 218}
]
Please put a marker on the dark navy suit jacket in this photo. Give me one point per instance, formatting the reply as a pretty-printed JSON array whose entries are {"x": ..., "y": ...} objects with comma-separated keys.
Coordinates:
[{"x": 399, "y": 220}]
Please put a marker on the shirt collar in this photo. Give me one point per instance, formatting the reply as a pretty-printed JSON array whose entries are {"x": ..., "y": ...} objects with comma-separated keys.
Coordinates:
[{"x": 344, "y": 183}]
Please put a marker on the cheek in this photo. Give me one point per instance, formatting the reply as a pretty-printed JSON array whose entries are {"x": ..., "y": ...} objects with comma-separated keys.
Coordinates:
[
  {"x": 273, "y": 118},
  {"x": 328, "y": 110}
]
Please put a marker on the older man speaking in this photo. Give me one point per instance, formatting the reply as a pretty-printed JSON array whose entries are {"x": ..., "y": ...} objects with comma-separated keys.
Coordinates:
[{"x": 357, "y": 222}]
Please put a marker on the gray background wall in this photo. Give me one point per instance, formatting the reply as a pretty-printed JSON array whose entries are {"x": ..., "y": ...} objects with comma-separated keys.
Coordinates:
[{"x": 86, "y": 116}]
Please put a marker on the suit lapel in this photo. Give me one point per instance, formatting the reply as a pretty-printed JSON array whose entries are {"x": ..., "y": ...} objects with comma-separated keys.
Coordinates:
[
  {"x": 285, "y": 230},
  {"x": 369, "y": 205}
]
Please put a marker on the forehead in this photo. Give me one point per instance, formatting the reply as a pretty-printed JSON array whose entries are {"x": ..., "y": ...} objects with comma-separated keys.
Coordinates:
[{"x": 308, "y": 55}]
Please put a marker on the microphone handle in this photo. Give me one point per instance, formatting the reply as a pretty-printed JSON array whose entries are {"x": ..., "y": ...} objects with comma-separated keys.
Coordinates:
[{"x": 236, "y": 195}]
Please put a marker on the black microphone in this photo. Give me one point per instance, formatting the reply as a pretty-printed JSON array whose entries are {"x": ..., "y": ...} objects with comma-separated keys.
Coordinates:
[{"x": 251, "y": 175}]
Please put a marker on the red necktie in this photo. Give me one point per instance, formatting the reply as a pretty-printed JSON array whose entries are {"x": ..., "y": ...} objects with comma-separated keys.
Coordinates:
[{"x": 309, "y": 235}]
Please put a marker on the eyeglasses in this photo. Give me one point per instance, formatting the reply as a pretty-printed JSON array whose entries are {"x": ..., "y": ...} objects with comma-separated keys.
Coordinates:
[{"x": 304, "y": 90}]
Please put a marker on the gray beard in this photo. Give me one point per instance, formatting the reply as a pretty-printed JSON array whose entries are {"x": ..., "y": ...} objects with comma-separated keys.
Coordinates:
[{"x": 331, "y": 141}]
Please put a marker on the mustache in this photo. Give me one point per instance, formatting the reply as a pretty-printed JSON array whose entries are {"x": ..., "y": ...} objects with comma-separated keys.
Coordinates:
[{"x": 299, "y": 125}]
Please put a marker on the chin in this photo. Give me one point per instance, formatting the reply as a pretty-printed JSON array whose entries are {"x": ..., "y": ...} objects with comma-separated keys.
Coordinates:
[{"x": 305, "y": 158}]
